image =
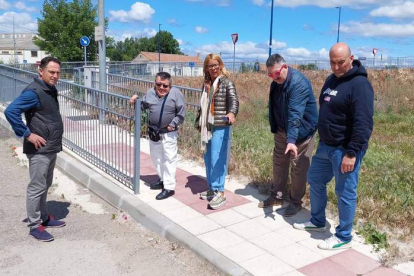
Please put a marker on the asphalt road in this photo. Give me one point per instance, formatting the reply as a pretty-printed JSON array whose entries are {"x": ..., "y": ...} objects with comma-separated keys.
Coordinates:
[{"x": 96, "y": 241}]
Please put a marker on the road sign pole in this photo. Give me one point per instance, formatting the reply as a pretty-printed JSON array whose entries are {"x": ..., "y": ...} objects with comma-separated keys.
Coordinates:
[{"x": 84, "y": 54}]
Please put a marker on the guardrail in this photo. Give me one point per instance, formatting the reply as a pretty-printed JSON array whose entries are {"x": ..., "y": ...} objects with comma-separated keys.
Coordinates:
[{"x": 101, "y": 127}]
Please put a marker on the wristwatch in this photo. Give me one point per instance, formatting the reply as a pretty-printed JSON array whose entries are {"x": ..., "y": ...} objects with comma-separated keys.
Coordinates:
[{"x": 350, "y": 154}]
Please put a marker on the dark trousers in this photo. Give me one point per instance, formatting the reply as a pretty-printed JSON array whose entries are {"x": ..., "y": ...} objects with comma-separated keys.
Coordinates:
[{"x": 297, "y": 167}]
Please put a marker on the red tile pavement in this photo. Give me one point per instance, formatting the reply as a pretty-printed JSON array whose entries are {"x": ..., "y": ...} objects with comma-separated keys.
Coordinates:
[
  {"x": 188, "y": 186},
  {"x": 355, "y": 261},
  {"x": 325, "y": 267},
  {"x": 384, "y": 271},
  {"x": 349, "y": 262}
]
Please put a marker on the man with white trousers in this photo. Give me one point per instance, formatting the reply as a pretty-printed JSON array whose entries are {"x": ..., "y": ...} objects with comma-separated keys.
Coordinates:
[{"x": 166, "y": 113}]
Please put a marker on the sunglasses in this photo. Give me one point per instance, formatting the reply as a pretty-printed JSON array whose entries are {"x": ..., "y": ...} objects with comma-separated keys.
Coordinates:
[
  {"x": 161, "y": 84},
  {"x": 277, "y": 72}
]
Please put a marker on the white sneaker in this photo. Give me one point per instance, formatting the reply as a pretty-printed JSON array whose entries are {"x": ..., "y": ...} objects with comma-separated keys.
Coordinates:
[
  {"x": 308, "y": 226},
  {"x": 333, "y": 243}
]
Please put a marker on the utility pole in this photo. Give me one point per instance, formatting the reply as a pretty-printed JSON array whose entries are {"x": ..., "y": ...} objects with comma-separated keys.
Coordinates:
[
  {"x": 271, "y": 27},
  {"x": 159, "y": 47},
  {"x": 339, "y": 23},
  {"x": 102, "y": 46},
  {"x": 15, "y": 46}
]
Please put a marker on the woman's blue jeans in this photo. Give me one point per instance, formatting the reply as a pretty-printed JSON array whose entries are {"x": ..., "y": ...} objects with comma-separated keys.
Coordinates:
[
  {"x": 325, "y": 165},
  {"x": 215, "y": 158}
]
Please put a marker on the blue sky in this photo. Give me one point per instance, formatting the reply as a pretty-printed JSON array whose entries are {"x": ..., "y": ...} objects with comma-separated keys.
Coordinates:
[{"x": 302, "y": 29}]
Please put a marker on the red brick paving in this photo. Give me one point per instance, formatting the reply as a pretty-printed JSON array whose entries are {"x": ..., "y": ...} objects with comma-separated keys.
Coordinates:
[
  {"x": 188, "y": 186},
  {"x": 347, "y": 263}
]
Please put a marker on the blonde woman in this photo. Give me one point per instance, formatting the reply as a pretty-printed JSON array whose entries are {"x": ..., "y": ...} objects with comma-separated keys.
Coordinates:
[{"x": 219, "y": 107}]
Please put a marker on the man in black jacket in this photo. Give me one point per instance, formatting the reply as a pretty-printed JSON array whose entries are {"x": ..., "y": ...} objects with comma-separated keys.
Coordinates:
[
  {"x": 345, "y": 126},
  {"x": 42, "y": 141}
]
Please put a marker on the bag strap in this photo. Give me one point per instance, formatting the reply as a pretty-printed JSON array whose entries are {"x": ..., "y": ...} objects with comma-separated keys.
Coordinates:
[{"x": 162, "y": 109}]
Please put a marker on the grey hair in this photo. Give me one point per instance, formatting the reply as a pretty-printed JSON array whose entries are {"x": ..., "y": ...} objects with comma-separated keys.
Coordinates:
[{"x": 274, "y": 59}]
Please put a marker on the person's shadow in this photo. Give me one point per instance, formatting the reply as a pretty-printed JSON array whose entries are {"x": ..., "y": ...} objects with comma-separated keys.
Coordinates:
[
  {"x": 197, "y": 184},
  {"x": 59, "y": 209}
]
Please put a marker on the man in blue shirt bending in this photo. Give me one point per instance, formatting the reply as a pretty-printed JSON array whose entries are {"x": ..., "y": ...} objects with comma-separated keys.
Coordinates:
[{"x": 42, "y": 135}]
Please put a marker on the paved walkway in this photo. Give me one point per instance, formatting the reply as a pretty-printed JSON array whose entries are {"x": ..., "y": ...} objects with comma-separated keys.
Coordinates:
[{"x": 261, "y": 241}]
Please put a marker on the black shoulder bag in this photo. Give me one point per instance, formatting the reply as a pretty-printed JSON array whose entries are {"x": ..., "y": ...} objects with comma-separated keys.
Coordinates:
[{"x": 154, "y": 131}]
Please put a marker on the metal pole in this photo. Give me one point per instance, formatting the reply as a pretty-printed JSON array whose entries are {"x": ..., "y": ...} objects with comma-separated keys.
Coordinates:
[
  {"x": 84, "y": 54},
  {"x": 102, "y": 47},
  {"x": 271, "y": 27},
  {"x": 15, "y": 48},
  {"x": 339, "y": 23},
  {"x": 159, "y": 47},
  {"x": 234, "y": 55},
  {"x": 137, "y": 146},
  {"x": 102, "y": 59},
  {"x": 229, "y": 150}
]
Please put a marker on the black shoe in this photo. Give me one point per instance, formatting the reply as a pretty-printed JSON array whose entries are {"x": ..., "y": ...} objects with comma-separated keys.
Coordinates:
[
  {"x": 292, "y": 210},
  {"x": 165, "y": 194},
  {"x": 157, "y": 186}
]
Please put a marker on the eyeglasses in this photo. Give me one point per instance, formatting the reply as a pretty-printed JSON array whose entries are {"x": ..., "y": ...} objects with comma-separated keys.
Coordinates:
[
  {"x": 213, "y": 66},
  {"x": 277, "y": 72},
  {"x": 163, "y": 85}
]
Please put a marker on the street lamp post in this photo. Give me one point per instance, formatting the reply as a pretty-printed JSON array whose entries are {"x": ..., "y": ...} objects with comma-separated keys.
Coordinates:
[
  {"x": 339, "y": 23},
  {"x": 271, "y": 26},
  {"x": 159, "y": 47}
]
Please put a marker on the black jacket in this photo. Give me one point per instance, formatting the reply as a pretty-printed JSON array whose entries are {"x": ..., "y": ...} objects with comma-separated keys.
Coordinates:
[
  {"x": 347, "y": 109},
  {"x": 44, "y": 121}
]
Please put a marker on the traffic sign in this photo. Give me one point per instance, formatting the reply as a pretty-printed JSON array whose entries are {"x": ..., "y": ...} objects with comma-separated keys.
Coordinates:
[
  {"x": 84, "y": 41},
  {"x": 191, "y": 64},
  {"x": 235, "y": 37}
]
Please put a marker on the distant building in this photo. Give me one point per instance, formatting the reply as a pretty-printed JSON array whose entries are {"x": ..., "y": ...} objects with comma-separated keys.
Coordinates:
[
  {"x": 176, "y": 65},
  {"x": 26, "y": 50}
]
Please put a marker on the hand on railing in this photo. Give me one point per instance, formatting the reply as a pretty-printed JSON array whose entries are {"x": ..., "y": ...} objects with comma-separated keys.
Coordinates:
[{"x": 133, "y": 99}]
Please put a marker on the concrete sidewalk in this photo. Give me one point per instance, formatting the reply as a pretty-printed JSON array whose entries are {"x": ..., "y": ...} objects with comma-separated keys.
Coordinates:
[{"x": 240, "y": 238}]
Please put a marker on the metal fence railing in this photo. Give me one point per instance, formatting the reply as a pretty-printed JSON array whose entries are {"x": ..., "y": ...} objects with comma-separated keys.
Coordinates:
[
  {"x": 100, "y": 126},
  {"x": 128, "y": 86}
]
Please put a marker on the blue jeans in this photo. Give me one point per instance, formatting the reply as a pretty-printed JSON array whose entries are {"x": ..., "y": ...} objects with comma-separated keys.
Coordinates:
[
  {"x": 215, "y": 158},
  {"x": 325, "y": 165}
]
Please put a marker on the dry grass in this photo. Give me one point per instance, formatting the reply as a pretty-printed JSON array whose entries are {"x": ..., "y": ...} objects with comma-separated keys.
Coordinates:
[{"x": 386, "y": 194}]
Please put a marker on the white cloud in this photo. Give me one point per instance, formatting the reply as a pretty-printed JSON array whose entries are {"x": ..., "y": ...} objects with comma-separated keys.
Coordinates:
[
  {"x": 378, "y": 29},
  {"x": 298, "y": 52},
  {"x": 4, "y": 5},
  {"x": 180, "y": 41},
  {"x": 323, "y": 53},
  {"x": 139, "y": 12},
  {"x": 22, "y": 22},
  {"x": 405, "y": 10},
  {"x": 146, "y": 32},
  {"x": 22, "y": 6},
  {"x": 200, "y": 30},
  {"x": 258, "y": 2},
  {"x": 335, "y": 3}
]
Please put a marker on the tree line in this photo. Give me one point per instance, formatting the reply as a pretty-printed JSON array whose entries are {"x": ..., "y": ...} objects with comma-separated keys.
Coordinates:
[{"x": 63, "y": 23}]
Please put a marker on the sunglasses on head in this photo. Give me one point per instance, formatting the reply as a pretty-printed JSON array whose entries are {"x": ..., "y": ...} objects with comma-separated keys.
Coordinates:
[
  {"x": 161, "y": 84},
  {"x": 277, "y": 72}
]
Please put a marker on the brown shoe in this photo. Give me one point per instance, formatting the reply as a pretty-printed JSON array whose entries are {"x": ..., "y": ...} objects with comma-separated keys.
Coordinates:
[{"x": 270, "y": 201}]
